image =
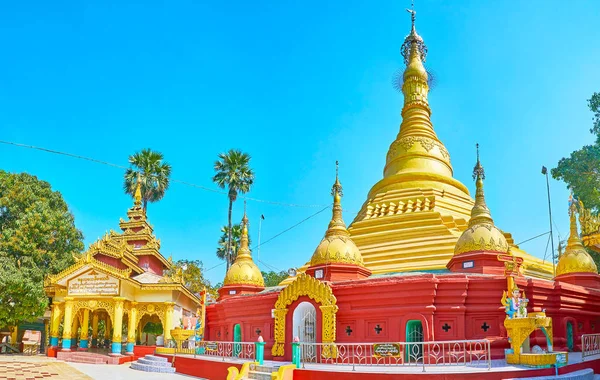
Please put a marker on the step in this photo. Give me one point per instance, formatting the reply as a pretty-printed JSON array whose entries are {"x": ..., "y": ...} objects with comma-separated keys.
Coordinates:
[
  {"x": 266, "y": 369},
  {"x": 155, "y": 358},
  {"x": 152, "y": 368},
  {"x": 259, "y": 375},
  {"x": 157, "y": 363}
]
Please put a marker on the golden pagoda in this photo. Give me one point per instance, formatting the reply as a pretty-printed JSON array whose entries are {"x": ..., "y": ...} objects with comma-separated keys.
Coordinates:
[
  {"x": 575, "y": 259},
  {"x": 413, "y": 217},
  {"x": 243, "y": 276},
  {"x": 482, "y": 234},
  {"x": 337, "y": 257}
]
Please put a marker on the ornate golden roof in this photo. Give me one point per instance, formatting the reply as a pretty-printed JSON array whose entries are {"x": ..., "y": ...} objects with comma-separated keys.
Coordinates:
[
  {"x": 482, "y": 234},
  {"x": 575, "y": 259},
  {"x": 243, "y": 271},
  {"x": 337, "y": 246}
]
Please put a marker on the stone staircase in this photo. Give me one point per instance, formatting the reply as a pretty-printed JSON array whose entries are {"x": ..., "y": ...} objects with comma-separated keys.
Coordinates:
[
  {"x": 151, "y": 363},
  {"x": 82, "y": 357},
  {"x": 261, "y": 372}
]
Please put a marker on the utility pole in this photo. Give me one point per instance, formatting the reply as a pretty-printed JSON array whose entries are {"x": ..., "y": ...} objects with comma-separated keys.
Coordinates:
[{"x": 545, "y": 172}]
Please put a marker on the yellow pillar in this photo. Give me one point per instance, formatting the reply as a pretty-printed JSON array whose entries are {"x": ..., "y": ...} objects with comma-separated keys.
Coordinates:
[
  {"x": 131, "y": 328},
  {"x": 117, "y": 326},
  {"x": 67, "y": 324},
  {"x": 55, "y": 323},
  {"x": 75, "y": 331},
  {"x": 95, "y": 330},
  {"x": 168, "y": 322},
  {"x": 14, "y": 334},
  {"x": 107, "y": 327},
  {"x": 85, "y": 328}
]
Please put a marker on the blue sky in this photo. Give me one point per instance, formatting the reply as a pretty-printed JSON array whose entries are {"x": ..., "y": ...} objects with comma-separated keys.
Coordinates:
[{"x": 298, "y": 85}]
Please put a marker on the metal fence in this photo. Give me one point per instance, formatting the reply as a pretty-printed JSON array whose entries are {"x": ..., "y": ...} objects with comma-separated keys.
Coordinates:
[
  {"x": 590, "y": 345},
  {"x": 224, "y": 350},
  {"x": 416, "y": 354}
]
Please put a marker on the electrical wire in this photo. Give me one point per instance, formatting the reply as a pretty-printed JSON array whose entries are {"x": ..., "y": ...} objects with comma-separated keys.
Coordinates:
[
  {"x": 535, "y": 237},
  {"x": 172, "y": 180}
]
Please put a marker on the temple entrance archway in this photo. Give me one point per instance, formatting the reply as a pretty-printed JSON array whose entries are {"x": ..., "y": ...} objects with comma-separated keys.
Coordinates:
[
  {"x": 305, "y": 288},
  {"x": 570, "y": 338},
  {"x": 414, "y": 334}
]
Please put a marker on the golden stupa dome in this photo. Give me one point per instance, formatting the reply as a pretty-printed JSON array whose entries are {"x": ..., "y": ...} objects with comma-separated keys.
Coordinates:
[
  {"x": 575, "y": 259},
  {"x": 482, "y": 234},
  {"x": 337, "y": 247},
  {"x": 243, "y": 271}
]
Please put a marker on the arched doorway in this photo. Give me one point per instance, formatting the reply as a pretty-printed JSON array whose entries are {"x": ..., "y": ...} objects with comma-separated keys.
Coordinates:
[
  {"x": 304, "y": 322},
  {"x": 570, "y": 340},
  {"x": 414, "y": 333},
  {"x": 310, "y": 289}
]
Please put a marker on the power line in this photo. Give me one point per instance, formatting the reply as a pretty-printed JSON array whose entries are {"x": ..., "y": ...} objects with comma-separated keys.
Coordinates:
[
  {"x": 172, "y": 180},
  {"x": 535, "y": 237},
  {"x": 546, "y": 251},
  {"x": 294, "y": 226}
]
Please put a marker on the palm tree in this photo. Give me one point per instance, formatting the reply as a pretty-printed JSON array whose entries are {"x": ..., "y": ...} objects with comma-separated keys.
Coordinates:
[
  {"x": 153, "y": 172},
  {"x": 236, "y": 235},
  {"x": 234, "y": 174}
]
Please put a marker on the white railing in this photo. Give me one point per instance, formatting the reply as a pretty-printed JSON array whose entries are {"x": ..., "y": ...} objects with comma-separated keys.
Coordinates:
[
  {"x": 475, "y": 353},
  {"x": 590, "y": 345},
  {"x": 238, "y": 350}
]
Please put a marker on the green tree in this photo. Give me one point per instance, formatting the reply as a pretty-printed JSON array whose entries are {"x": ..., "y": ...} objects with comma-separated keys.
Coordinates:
[
  {"x": 37, "y": 237},
  {"x": 153, "y": 328},
  {"x": 273, "y": 278},
  {"x": 193, "y": 278},
  {"x": 233, "y": 172},
  {"x": 581, "y": 170},
  {"x": 236, "y": 236},
  {"x": 153, "y": 173}
]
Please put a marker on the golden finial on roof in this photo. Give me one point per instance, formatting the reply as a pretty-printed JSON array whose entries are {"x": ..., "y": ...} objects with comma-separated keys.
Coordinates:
[
  {"x": 575, "y": 258},
  {"x": 482, "y": 234},
  {"x": 137, "y": 197},
  {"x": 336, "y": 246},
  {"x": 413, "y": 40}
]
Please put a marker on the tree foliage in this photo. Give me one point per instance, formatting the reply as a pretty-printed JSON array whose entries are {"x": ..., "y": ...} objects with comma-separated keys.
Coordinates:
[
  {"x": 236, "y": 236},
  {"x": 233, "y": 172},
  {"x": 581, "y": 170},
  {"x": 154, "y": 175},
  {"x": 37, "y": 237},
  {"x": 273, "y": 278},
  {"x": 192, "y": 275}
]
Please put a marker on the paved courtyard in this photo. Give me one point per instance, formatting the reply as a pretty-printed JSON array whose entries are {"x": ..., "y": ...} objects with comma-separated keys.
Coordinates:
[{"x": 16, "y": 367}]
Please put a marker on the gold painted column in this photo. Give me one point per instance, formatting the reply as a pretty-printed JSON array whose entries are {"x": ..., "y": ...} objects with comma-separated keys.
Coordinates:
[
  {"x": 95, "y": 330},
  {"x": 14, "y": 334},
  {"x": 107, "y": 327},
  {"x": 85, "y": 328},
  {"x": 55, "y": 323},
  {"x": 67, "y": 324},
  {"x": 117, "y": 337},
  {"x": 131, "y": 328},
  {"x": 168, "y": 322}
]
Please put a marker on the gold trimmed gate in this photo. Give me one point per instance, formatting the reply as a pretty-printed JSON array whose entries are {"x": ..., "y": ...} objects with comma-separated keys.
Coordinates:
[{"x": 320, "y": 292}]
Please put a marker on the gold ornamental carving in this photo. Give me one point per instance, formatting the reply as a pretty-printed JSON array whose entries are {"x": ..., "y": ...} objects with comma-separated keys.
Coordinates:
[
  {"x": 93, "y": 305},
  {"x": 149, "y": 310},
  {"x": 406, "y": 143},
  {"x": 320, "y": 292}
]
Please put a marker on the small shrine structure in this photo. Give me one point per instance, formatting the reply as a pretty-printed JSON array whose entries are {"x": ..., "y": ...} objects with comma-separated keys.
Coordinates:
[{"x": 123, "y": 280}]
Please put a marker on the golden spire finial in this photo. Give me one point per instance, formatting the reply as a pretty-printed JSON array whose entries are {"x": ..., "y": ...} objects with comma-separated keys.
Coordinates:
[
  {"x": 413, "y": 40},
  {"x": 244, "y": 251},
  {"x": 574, "y": 241},
  {"x": 337, "y": 225},
  {"x": 137, "y": 197},
  {"x": 480, "y": 214}
]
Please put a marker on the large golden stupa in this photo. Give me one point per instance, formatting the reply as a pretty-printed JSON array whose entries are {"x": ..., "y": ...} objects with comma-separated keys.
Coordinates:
[{"x": 413, "y": 217}]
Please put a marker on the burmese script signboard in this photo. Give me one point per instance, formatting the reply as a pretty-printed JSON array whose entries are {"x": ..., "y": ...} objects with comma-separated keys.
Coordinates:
[
  {"x": 93, "y": 283},
  {"x": 386, "y": 349}
]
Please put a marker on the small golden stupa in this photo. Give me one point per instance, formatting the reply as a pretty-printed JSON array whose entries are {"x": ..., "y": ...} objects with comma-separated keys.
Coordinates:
[
  {"x": 575, "y": 259},
  {"x": 337, "y": 247},
  {"x": 482, "y": 234},
  {"x": 243, "y": 271}
]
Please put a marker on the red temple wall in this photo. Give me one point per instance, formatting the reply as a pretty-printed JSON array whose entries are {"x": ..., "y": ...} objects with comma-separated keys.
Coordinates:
[
  {"x": 110, "y": 261},
  {"x": 450, "y": 307}
]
